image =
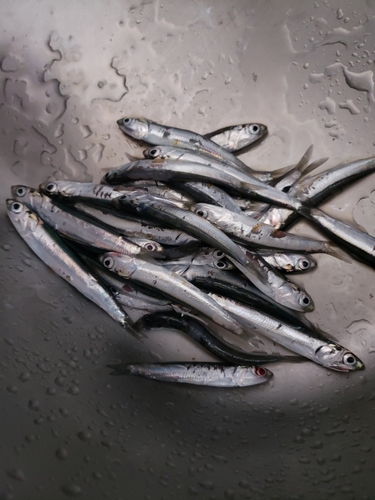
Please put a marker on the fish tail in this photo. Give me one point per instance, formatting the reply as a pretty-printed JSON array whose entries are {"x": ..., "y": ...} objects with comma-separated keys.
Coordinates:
[
  {"x": 281, "y": 172},
  {"x": 336, "y": 252},
  {"x": 314, "y": 165},
  {"x": 121, "y": 369},
  {"x": 133, "y": 329},
  {"x": 332, "y": 249}
]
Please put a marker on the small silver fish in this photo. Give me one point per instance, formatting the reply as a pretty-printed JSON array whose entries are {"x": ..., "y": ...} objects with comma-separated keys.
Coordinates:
[
  {"x": 238, "y": 138},
  {"x": 51, "y": 249},
  {"x": 304, "y": 341},
  {"x": 253, "y": 232},
  {"x": 206, "y": 374},
  {"x": 72, "y": 225},
  {"x": 171, "y": 284},
  {"x": 289, "y": 262}
]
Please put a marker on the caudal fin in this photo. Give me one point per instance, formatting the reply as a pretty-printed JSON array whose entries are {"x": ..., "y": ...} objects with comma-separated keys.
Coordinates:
[
  {"x": 121, "y": 369},
  {"x": 336, "y": 252}
]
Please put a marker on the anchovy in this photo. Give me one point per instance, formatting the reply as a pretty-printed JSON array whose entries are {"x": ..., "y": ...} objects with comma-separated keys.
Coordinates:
[
  {"x": 149, "y": 245},
  {"x": 200, "y": 334},
  {"x": 253, "y": 232},
  {"x": 289, "y": 262},
  {"x": 156, "y": 134},
  {"x": 134, "y": 227},
  {"x": 303, "y": 167},
  {"x": 288, "y": 175},
  {"x": 267, "y": 279},
  {"x": 74, "y": 226},
  {"x": 206, "y": 374},
  {"x": 274, "y": 284},
  {"x": 237, "y": 288},
  {"x": 52, "y": 250},
  {"x": 239, "y": 138},
  {"x": 315, "y": 189},
  {"x": 130, "y": 294},
  {"x": 171, "y": 170},
  {"x": 189, "y": 222},
  {"x": 106, "y": 195},
  {"x": 77, "y": 191},
  {"x": 359, "y": 245},
  {"x": 306, "y": 342},
  {"x": 169, "y": 283}
]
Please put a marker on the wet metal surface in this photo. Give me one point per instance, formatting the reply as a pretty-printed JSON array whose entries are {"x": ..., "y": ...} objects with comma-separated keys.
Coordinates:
[{"x": 68, "y": 71}]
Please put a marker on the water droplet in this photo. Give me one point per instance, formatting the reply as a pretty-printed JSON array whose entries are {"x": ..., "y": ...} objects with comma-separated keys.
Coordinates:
[
  {"x": 71, "y": 489},
  {"x": 34, "y": 405},
  {"x": 24, "y": 377},
  {"x": 84, "y": 435},
  {"x": 207, "y": 485},
  {"x": 329, "y": 105},
  {"x": 16, "y": 474},
  {"x": 61, "y": 453}
]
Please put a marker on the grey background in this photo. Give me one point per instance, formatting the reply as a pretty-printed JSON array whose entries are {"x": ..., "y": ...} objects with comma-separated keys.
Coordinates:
[{"x": 69, "y": 70}]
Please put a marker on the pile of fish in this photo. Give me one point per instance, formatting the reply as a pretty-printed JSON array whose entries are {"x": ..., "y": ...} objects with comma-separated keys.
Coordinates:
[{"x": 190, "y": 238}]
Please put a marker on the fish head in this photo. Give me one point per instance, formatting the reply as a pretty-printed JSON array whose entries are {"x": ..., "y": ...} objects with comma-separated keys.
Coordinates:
[
  {"x": 50, "y": 188},
  {"x": 121, "y": 264},
  {"x": 26, "y": 194},
  {"x": 262, "y": 374},
  {"x": 20, "y": 191},
  {"x": 294, "y": 297},
  {"x": 336, "y": 357},
  {"x": 256, "y": 130},
  {"x": 209, "y": 212},
  {"x": 134, "y": 127},
  {"x": 150, "y": 246},
  {"x": 21, "y": 216}
]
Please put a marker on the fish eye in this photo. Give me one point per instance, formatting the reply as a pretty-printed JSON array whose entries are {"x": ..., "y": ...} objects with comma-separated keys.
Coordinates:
[
  {"x": 254, "y": 129},
  {"x": 202, "y": 213},
  {"x": 349, "y": 359},
  {"x": 260, "y": 371},
  {"x": 304, "y": 264},
  {"x": 218, "y": 254},
  {"x": 51, "y": 187},
  {"x": 16, "y": 207},
  {"x": 154, "y": 152},
  {"x": 150, "y": 247},
  {"x": 220, "y": 264},
  {"x": 127, "y": 121},
  {"x": 304, "y": 300},
  {"x": 21, "y": 191},
  {"x": 108, "y": 262}
]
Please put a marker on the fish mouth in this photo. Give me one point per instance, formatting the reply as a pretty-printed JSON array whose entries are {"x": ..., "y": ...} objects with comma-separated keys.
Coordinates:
[{"x": 344, "y": 369}]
